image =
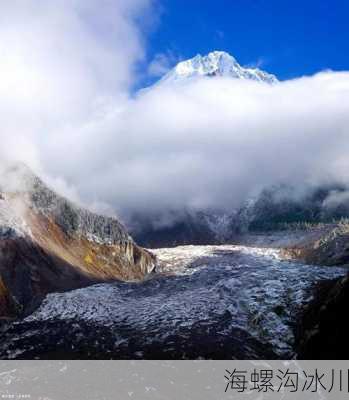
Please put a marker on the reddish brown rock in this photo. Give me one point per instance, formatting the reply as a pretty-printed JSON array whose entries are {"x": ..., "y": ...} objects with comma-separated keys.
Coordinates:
[{"x": 49, "y": 244}]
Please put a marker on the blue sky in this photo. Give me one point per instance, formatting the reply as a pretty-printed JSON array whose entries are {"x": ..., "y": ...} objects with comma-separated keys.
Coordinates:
[{"x": 284, "y": 37}]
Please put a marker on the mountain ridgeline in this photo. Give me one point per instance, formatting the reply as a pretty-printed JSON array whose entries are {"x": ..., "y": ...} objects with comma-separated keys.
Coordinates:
[
  {"x": 215, "y": 64},
  {"x": 48, "y": 244},
  {"x": 277, "y": 208}
]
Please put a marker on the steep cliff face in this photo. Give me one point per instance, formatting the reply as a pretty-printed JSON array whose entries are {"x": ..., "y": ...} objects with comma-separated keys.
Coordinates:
[{"x": 49, "y": 244}]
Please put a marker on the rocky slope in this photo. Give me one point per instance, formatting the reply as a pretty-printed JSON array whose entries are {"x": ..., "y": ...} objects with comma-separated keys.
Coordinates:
[
  {"x": 49, "y": 244},
  {"x": 331, "y": 247}
]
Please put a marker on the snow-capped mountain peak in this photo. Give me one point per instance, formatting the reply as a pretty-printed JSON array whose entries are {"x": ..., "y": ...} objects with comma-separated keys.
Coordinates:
[{"x": 216, "y": 63}]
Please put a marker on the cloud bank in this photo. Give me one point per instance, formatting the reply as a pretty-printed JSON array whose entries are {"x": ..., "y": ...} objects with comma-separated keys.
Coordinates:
[
  {"x": 210, "y": 143},
  {"x": 61, "y": 62}
]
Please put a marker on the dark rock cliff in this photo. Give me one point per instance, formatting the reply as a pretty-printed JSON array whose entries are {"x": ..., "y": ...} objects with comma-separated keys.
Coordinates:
[{"x": 323, "y": 328}]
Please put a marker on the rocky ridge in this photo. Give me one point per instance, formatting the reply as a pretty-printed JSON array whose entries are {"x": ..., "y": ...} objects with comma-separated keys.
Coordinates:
[{"x": 49, "y": 244}]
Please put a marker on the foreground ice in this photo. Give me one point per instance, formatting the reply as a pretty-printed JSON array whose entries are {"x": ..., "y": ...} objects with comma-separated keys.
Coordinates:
[{"x": 210, "y": 292}]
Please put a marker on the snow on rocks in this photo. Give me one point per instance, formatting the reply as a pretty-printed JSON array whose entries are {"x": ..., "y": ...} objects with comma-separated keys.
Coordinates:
[{"x": 216, "y": 63}]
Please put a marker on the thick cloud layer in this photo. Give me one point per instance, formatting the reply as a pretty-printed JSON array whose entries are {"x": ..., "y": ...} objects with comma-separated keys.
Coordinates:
[
  {"x": 212, "y": 143},
  {"x": 208, "y": 143},
  {"x": 61, "y": 62}
]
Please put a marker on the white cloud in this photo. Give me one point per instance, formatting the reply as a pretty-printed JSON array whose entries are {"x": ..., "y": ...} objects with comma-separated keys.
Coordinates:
[
  {"x": 162, "y": 63},
  {"x": 61, "y": 61},
  {"x": 65, "y": 109},
  {"x": 336, "y": 198},
  {"x": 212, "y": 143}
]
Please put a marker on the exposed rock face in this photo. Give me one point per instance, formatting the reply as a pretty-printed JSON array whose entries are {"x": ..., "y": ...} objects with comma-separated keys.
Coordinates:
[
  {"x": 49, "y": 244},
  {"x": 323, "y": 328}
]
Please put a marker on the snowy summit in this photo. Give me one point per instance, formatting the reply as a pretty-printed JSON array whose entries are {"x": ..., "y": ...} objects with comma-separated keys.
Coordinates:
[{"x": 216, "y": 63}]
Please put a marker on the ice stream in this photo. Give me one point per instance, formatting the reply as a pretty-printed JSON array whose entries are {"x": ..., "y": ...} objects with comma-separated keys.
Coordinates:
[{"x": 206, "y": 291}]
